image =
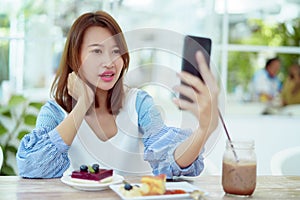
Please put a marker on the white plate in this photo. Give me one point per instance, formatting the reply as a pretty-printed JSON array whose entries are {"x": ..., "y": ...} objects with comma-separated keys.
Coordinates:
[
  {"x": 91, "y": 186},
  {"x": 169, "y": 186}
]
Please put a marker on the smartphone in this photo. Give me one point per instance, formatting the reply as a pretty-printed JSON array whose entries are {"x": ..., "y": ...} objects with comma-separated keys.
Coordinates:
[{"x": 191, "y": 45}]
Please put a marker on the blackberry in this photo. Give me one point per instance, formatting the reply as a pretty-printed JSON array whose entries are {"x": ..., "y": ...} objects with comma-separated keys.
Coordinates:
[
  {"x": 95, "y": 168},
  {"x": 83, "y": 168},
  {"x": 127, "y": 186}
]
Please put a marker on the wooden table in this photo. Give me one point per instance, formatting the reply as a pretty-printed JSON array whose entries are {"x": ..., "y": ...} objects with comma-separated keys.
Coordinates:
[{"x": 268, "y": 187}]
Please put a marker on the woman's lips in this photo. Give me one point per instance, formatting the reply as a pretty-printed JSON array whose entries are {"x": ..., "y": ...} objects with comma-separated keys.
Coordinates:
[{"x": 107, "y": 76}]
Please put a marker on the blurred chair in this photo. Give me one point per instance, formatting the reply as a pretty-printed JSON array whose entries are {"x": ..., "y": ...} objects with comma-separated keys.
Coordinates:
[{"x": 286, "y": 162}]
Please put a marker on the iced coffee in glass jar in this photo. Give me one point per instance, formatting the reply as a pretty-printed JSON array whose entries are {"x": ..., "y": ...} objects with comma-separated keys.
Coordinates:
[{"x": 239, "y": 168}]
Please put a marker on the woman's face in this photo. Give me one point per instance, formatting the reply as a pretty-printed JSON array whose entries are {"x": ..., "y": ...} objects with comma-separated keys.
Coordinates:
[{"x": 101, "y": 61}]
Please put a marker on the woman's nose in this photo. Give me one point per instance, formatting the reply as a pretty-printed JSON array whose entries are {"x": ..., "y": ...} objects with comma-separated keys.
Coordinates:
[{"x": 107, "y": 60}]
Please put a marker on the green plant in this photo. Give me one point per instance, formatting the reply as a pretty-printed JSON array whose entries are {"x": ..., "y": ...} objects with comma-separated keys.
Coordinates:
[
  {"x": 4, "y": 47},
  {"x": 240, "y": 71},
  {"x": 17, "y": 118},
  {"x": 242, "y": 65}
]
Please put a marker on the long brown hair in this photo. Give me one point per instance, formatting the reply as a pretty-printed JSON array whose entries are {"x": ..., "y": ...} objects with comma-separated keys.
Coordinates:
[{"x": 70, "y": 60}]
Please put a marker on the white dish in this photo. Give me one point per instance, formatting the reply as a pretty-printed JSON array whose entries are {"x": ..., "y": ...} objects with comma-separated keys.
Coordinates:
[
  {"x": 91, "y": 186},
  {"x": 169, "y": 186}
]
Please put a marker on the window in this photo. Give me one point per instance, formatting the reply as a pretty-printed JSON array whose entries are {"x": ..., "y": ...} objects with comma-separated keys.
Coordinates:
[{"x": 244, "y": 35}]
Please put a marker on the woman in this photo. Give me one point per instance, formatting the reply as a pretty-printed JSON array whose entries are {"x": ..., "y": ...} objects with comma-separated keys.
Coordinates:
[
  {"x": 94, "y": 118},
  {"x": 290, "y": 93}
]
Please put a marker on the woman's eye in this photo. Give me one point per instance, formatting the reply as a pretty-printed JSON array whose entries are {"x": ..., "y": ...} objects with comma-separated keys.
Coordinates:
[
  {"x": 96, "y": 51},
  {"x": 116, "y": 51}
]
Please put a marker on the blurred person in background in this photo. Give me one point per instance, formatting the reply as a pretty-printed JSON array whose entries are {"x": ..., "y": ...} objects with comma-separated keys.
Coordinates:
[
  {"x": 265, "y": 83},
  {"x": 291, "y": 88}
]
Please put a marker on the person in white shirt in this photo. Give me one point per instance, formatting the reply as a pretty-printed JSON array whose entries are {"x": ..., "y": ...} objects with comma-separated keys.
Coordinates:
[{"x": 265, "y": 83}]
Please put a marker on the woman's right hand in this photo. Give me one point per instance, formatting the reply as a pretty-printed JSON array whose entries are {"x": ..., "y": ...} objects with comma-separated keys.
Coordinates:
[{"x": 80, "y": 91}]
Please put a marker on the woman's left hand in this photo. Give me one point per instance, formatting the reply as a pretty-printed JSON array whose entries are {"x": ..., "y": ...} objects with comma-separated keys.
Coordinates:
[{"x": 203, "y": 95}]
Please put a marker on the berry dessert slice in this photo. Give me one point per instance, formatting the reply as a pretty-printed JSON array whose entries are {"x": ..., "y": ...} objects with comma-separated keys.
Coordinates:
[{"x": 92, "y": 173}]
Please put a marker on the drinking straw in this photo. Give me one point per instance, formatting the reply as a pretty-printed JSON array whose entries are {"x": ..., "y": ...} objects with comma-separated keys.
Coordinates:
[{"x": 228, "y": 137}]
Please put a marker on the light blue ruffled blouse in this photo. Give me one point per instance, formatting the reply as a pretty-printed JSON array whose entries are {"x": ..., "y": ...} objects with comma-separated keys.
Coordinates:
[{"x": 43, "y": 154}]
